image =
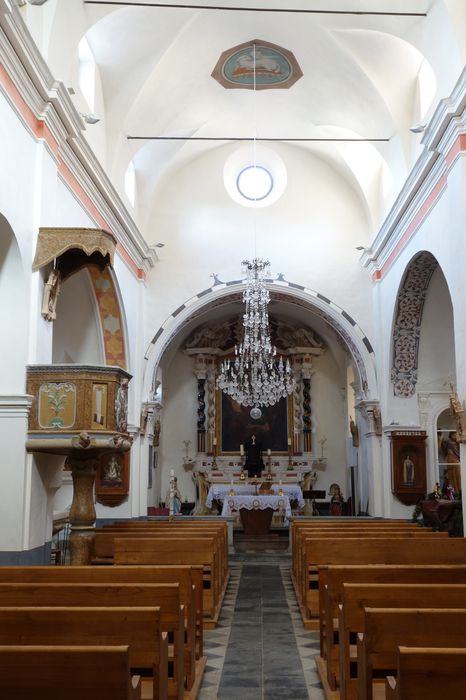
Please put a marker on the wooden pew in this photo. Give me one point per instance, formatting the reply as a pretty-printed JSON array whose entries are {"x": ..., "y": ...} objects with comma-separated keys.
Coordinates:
[
  {"x": 104, "y": 546},
  {"x": 428, "y": 550},
  {"x": 357, "y": 596},
  {"x": 305, "y": 527},
  {"x": 143, "y": 551},
  {"x": 164, "y": 596},
  {"x": 428, "y": 674},
  {"x": 332, "y": 578},
  {"x": 385, "y": 629},
  {"x": 354, "y": 533},
  {"x": 71, "y": 672},
  {"x": 188, "y": 577},
  {"x": 180, "y": 525},
  {"x": 214, "y": 582},
  {"x": 138, "y": 628}
]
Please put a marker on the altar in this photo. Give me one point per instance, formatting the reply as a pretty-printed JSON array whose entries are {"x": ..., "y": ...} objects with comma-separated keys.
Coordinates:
[
  {"x": 218, "y": 492},
  {"x": 256, "y": 511}
]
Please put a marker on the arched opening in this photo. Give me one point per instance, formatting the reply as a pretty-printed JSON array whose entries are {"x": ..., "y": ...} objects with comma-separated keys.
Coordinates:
[
  {"x": 188, "y": 348},
  {"x": 13, "y": 314}
]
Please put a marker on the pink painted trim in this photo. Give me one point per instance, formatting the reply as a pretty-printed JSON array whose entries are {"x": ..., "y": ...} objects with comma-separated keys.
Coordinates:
[
  {"x": 459, "y": 146},
  {"x": 40, "y": 130},
  {"x": 426, "y": 207}
]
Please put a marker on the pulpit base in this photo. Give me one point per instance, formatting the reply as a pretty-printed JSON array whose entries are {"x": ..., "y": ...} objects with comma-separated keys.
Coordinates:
[{"x": 256, "y": 522}]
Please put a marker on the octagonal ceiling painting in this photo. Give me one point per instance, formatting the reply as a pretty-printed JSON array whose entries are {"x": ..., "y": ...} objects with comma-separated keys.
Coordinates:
[{"x": 267, "y": 65}]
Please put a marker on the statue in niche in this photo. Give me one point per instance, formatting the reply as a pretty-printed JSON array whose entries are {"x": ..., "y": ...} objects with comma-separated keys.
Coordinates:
[
  {"x": 52, "y": 290},
  {"x": 408, "y": 471},
  {"x": 112, "y": 471}
]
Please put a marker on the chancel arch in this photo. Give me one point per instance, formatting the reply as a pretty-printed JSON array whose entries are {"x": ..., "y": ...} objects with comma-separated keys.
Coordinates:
[{"x": 330, "y": 354}]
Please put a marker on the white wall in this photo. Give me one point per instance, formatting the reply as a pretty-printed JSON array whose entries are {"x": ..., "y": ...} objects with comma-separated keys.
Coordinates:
[
  {"x": 77, "y": 335},
  {"x": 443, "y": 234},
  {"x": 309, "y": 235}
]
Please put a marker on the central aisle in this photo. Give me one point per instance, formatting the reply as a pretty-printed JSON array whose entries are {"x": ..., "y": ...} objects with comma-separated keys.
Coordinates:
[{"x": 260, "y": 650}]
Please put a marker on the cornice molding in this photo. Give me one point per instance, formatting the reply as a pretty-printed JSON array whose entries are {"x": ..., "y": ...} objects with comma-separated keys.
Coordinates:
[
  {"x": 443, "y": 144},
  {"x": 51, "y": 106}
]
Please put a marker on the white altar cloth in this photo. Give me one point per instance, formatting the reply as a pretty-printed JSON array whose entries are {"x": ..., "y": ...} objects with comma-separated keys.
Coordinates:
[
  {"x": 219, "y": 492},
  {"x": 232, "y": 503}
]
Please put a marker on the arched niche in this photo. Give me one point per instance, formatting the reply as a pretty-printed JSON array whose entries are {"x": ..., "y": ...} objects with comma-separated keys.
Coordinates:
[
  {"x": 13, "y": 313},
  {"x": 406, "y": 334},
  {"x": 89, "y": 328},
  {"x": 77, "y": 331}
]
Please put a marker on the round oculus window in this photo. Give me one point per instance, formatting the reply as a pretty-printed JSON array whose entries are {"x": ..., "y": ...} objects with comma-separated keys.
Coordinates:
[{"x": 254, "y": 183}]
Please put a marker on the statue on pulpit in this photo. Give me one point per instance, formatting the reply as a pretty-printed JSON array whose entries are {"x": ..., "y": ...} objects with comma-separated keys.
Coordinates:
[{"x": 254, "y": 463}]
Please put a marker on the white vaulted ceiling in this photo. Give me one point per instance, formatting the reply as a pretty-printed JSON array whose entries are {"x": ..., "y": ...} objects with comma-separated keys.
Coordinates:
[{"x": 364, "y": 76}]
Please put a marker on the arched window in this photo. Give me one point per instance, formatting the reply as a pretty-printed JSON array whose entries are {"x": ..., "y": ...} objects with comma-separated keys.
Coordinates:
[{"x": 87, "y": 72}]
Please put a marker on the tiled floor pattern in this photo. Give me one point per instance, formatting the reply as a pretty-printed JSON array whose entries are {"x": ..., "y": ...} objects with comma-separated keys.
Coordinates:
[{"x": 259, "y": 650}]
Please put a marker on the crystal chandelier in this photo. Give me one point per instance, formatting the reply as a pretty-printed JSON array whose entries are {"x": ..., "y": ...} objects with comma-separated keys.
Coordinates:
[{"x": 256, "y": 377}]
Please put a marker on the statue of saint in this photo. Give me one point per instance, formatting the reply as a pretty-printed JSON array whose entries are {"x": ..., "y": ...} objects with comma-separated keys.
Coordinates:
[{"x": 408, "y": 471}]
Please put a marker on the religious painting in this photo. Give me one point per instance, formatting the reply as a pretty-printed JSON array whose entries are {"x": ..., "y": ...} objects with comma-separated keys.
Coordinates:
[
  {"x": 237, "y": 427},
  {"x": 99, "y": 406},
  {"x": 57, "y": 405},
  {"x": 408, "y": 465},
  {"x": 257, "y": 65}
]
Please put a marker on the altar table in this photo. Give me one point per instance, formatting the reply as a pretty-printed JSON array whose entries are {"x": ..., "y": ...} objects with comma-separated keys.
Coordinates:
[
  {"x": 256, "y": 511},
  {"x": 219, "y": 492}
]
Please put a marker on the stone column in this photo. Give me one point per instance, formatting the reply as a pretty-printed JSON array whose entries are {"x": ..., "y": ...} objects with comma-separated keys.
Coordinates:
[{"x": 372, "y": 481}]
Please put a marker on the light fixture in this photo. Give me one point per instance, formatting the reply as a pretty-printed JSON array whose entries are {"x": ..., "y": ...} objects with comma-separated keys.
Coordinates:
[
  {"x": 159, "y": 245},
  {"x": 361, "y": 247},
  {"x": 256, "y": 377},
  {"x": 90, "y": 118},
  {"x": 21, "y": 3},
  {"x": 418, "y": 128}
]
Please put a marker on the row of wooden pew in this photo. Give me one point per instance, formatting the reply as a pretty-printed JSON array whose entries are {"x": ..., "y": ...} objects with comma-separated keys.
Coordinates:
[
  {"x": 372, "y": 588},
  {"x": 114, "y": 622}
]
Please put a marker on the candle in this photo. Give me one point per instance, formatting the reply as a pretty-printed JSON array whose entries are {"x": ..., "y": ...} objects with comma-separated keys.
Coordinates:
[
  {"x": 241, "y": 450},
  {"x": 289, "y": 441},
  {"x": 269, "y": 452},
  {"x": 215, "y": 440},
  {"x": 172, "y": 472}
]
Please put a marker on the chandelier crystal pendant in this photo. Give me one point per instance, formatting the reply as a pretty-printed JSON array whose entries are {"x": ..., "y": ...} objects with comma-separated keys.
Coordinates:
[{"x": 256, "y": 377}]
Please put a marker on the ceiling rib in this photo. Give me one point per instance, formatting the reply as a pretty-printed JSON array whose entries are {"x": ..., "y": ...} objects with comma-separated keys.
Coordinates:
[
  {"x": 251, "y": 138},
  {"x": 228, "y": 8}
]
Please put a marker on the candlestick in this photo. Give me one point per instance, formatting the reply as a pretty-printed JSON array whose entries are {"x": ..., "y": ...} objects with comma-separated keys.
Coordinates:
[{"x": 241, "y": 450}]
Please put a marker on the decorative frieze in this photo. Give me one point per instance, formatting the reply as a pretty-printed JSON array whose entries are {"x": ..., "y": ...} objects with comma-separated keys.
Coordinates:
[{"x": 407, "y": 329}]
